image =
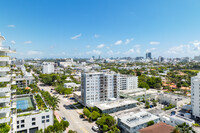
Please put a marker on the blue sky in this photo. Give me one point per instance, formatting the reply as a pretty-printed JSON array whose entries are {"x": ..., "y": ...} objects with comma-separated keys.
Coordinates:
[{"x": 110, "y": 28}]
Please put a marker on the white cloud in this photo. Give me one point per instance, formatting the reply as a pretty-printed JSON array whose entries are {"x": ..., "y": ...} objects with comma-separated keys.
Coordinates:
[
  {"x": 11, "y": 26},
  {"x": 95, "y": 52},
  {"x": 110, "y": 52},
  {"x": 128, "y": 40},
  {"x": 27, "y": 42},
  {"x": 88, "y": 46},
  {"x": 33, "y": 52},
  {"x": 12, "y": 42},
  {"x": 100, "y": 45},
  {"x": 96, "y": 36},
  {"x": 191, "y": 49},
  {"x": 150, "y": 50},
  {"x": 130, "y": 51},
  {"x": 118, "y": 42},
  {"x": 154, "y": 43},
  {"x": 76, "y": 37}
]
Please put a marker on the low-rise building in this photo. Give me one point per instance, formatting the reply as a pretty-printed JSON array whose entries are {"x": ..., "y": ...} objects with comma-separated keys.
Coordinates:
[
  {"x": 77, "y": 96},
  {"x": 133, "y": 122},
  {"x": 116, "y": 105},
  {"x": 48, "y": 67},
  {"x": 168, "y": 98},
  {"x": 33, "y": 120}
]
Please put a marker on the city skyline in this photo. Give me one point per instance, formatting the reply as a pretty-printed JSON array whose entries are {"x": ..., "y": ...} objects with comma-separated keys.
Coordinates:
[{"x": 51, "y": 29}]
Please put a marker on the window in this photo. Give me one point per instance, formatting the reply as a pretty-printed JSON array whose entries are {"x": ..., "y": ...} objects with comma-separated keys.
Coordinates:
[
  {"x": 33, "y": 119},
  {"x": 17, "y": 122},
  {"x": 43, "y": 117},
  {"x": 33, "y": 123},
  {"x": 18, "y": 127},
  {"x": 22, "y": 126},
  {"x": 22, "y": 121},
  {"x": 43, "y": 121},
  {"x": 47, "y": 120},
  {"x": 47, "y": 116}
]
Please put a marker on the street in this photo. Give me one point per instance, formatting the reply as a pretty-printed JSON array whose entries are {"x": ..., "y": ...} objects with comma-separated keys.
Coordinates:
[{"x": 76, "y": 123}]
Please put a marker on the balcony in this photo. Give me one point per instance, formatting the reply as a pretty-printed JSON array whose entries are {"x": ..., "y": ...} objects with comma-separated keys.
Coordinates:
[
  {"x": 4, "y": 120},
  {"x": 5, "y": 78},
  {"x": 7, "y": 49},
  {"x": 4, "y": 58},
  {"x": 5, "y": 89},
  {"x": 4, "y": 68},
  {"x": 6, "y": 109},
  {"x": 4, "y": 99}
]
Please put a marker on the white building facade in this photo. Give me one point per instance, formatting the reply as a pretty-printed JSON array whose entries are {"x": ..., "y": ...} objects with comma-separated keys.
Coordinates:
[
  {"x": 99, "y": 87},
  {"x": 128, "y": 82},
  {"x": 6, "y": 102},
  {"x": 195, "y": 95},
  {"x": 48, "y": 67}
]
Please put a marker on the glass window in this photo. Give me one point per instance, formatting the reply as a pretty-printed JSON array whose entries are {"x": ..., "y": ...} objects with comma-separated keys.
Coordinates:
[
  {"x": 33, "y": 123},
  {"x": 18, "y": 127},
  {"x": 43, "y": 121},
  {"x": 47, "y": 116},
  {"x": 22, "y": 126},
  {"x": 17, "y": 122},
  {"x": 22, "y": 121},
  {"x": 33, "y": 119},
  {"x": 47, "y": 120},
  {"x": 43, "y": 117}
]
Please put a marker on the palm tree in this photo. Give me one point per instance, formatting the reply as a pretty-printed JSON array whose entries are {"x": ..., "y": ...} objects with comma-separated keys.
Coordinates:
[
  {"x": 183, "y": 128},
  {"x": 55, "y": 101}
]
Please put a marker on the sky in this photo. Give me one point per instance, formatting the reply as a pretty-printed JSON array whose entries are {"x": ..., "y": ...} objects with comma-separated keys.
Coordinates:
[{"x": 109, "y": 28}]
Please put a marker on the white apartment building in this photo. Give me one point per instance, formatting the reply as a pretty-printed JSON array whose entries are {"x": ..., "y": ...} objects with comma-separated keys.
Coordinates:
[
  {"x": 47, "y": 67},
  {"x": 128, "y": 82},
  {"x": 135, "y": 121},
  {"x": 99, "y": 87},
  {"x": 5, "y": 87},
  {"x": 195, "y": 95}
]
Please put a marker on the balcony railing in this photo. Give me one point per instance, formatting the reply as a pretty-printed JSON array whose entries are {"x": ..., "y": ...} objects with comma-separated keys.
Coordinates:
[
  {"x": 4, "y": 120},
  {"x": 5, "y": 78},
  {"x": 4, "y": 68},
  {"x": 6, "y": 109},
  {"x": 4, "y": 58},
  {"x": 4, "y": 99},
  {"x": 5, "y": 89},
  {"x": 7, "y": 49}
]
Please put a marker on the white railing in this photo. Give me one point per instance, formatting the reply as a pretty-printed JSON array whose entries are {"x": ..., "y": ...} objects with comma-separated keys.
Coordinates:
[
  {"x": 5, "y": 89},
  {"x": 4, "y": 100},
  {"x": 4, "y": 69},
  {"x": 4, "y": 58},
  {"x": 5, "y": 79},
  {"x": 5, "y": 110},
  {"x": 4, "y": 120}
]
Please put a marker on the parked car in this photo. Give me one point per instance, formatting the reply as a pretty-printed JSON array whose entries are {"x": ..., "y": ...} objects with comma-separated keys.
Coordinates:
[
  {"x": 64, "y": 105},
  {"x": 64, "y": 118},
  {"x": 95, "y": 128}
]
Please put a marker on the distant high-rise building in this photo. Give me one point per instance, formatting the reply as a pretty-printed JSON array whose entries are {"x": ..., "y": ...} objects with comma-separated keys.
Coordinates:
[
  {"x": 93, "y": 57},
  {"x": 197, "y": 58},
  {"x": 99, "y": 87},
  {"x": 148, "y": 55},
  {"x": 195, "y": 95},
  {"x": 160, "y": 59}
]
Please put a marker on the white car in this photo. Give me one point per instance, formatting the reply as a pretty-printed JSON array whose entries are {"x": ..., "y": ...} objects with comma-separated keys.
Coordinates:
[{"x": 95, "y": 128}]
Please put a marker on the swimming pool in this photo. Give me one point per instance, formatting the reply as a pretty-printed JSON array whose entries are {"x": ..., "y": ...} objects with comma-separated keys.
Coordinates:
[{"x": 24, "y": 103}]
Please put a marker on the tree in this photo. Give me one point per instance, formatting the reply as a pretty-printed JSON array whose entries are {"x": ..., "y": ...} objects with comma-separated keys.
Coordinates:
[
  {"x": 64, "y": 124},
  {"x": 150, "y": 123},
  {"x": 184, "y": 128},
  {"x": 178, "y": 85},
  {"x": 105, "y": 128},
  {"x": 106, "y": 120},
  {"x": 94, "y": 115},
  {"x": 147, "y": 104},
  {"x": 4, "y": 128},
  {"x": 55, "y": 103},
  {"x": 71, "y": 131},
  {"x": 86, "y": 112}
]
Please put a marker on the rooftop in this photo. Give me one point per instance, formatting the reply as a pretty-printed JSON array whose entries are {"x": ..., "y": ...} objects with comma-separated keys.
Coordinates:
[
  {"x": 157, "y": 128},
  {"x": 114, "y": 104},
  {"x": 133, "y": 119}
]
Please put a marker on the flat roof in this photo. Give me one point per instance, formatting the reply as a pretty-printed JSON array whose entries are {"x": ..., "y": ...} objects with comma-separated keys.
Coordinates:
[
  {"x": 77, "y": 93},
  {"x": 114, "y": 104},
  {"x": 134, "y": 119},
  {"x": 24, "y": 102}
]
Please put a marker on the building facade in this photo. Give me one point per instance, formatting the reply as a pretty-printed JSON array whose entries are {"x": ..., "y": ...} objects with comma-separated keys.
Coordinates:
[
  {"x": 6, "y": 103},
  {"x": 128, "y": 82},
  {"x": 47, "y": 68},
  {"x": 195, "y": 95},
  {"x": 99, "y": 87}
]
